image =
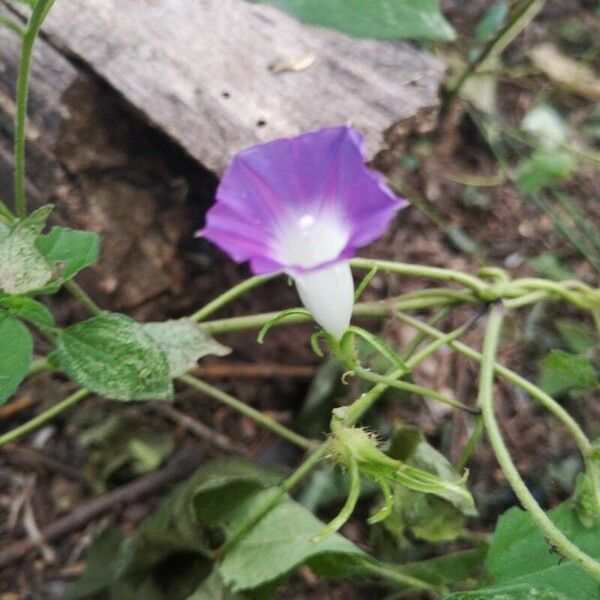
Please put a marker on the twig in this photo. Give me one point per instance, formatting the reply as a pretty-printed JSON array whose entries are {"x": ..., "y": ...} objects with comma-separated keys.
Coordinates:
[
  {"x": 181, "y": 466},
  {"x": 222, "y": 370},
  {"x": 15, "y": 407},
  {"x": 199, "y": 429},
  {"x": 23, "y": 456}
]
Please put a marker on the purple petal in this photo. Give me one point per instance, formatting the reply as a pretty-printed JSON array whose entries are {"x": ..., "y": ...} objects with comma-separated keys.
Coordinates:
[{"x": 300, "y": 203}]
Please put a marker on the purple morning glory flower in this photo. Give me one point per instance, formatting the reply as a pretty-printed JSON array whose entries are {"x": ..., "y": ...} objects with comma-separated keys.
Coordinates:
[{"x": 303, "y": 206}]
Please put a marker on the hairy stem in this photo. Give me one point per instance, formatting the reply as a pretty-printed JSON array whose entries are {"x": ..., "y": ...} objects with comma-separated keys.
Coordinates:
[{"x": 38, "y": 15}]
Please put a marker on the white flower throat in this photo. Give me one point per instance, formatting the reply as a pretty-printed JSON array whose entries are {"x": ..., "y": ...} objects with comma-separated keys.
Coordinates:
[
  {"x": 310, "y": 240},
  {"x": 328, "y": 292}
]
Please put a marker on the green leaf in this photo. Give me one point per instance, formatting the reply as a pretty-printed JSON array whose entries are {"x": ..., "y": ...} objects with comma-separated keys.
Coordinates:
[
  {"x": 564, "y": 372},
  {"x": 544, "y": 168},
  {"x": 281, "y": 541},
  {"x": 382, "y": 19},
  {"x": 184, "y": 342},
  {"x": 71, "y": 248},
  {"x": 521, "y": 566},
  {"x": 577, "y": 336},
  {"x": 22, "y": 267},
  {"x": 16, "y": 347},
  {"x": 4, "y": 231},
  {"x": 28, "y": 309},
  {"x": 113, "y": 356},
  {"x": 122, "y": 442},
  {"x": 101, "y": 565},
  {"x": 194, "y": 514},
  {"x": 547, "y": 265},
  {"x": 511, "y": 592},
  {"x": 430, "y": 518},
  {"x": 213, "y": 588},
  {"x": 491, "y": 22}
]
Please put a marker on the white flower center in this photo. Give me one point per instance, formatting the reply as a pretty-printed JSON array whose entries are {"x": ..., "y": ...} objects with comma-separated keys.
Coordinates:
[{"x": 309, "y": 240}]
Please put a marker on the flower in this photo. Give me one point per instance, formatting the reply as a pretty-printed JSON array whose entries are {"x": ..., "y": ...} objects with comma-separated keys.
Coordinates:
[{"x": 303, "y": 206}]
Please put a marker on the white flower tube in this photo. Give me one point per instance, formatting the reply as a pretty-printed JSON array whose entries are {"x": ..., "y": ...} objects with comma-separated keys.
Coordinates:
[{"x": 328, "y": 294}]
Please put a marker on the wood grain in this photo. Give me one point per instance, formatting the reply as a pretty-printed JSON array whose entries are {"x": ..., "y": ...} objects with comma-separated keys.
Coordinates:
[{"x": 202, "y": 71}]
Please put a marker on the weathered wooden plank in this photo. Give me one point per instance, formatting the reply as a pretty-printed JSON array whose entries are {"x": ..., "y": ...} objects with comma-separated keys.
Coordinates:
[{"x": 203, "y": 70}]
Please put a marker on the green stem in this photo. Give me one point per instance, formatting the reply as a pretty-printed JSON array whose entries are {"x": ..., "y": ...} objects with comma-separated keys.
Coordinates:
[
  {"x": 429, "y": 295},
  {"x": 346, "y": 512},
  {"x": 485, "y": 400},
  {"x": 38, "y": 365},
  {"x": 366, "y": 400},
  {"x": 377, "y": 310},
  {"x": 471, "y": 445},
  {"x": 414, "y": 389},
  {"x": 12, "y": 25},
  {"x": 412, "y": 346},
  {"x": 521, "y": 17},
  {"x": 228, "y": 296},
  {"x": 390, "y": 573},
  {"x": 563, "y": 289},
  {"x": 40, "y": 11},
  {"x": 517, "y": 293},
  {"x": 530, "y": 298},
  {"x": 252, "y": 413},
  {"x": 44, "y": 417},
  {"x": 473, "y": 283},
  {"x": 82, "y": 297},
  {"x": 544, "y": 399}
]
